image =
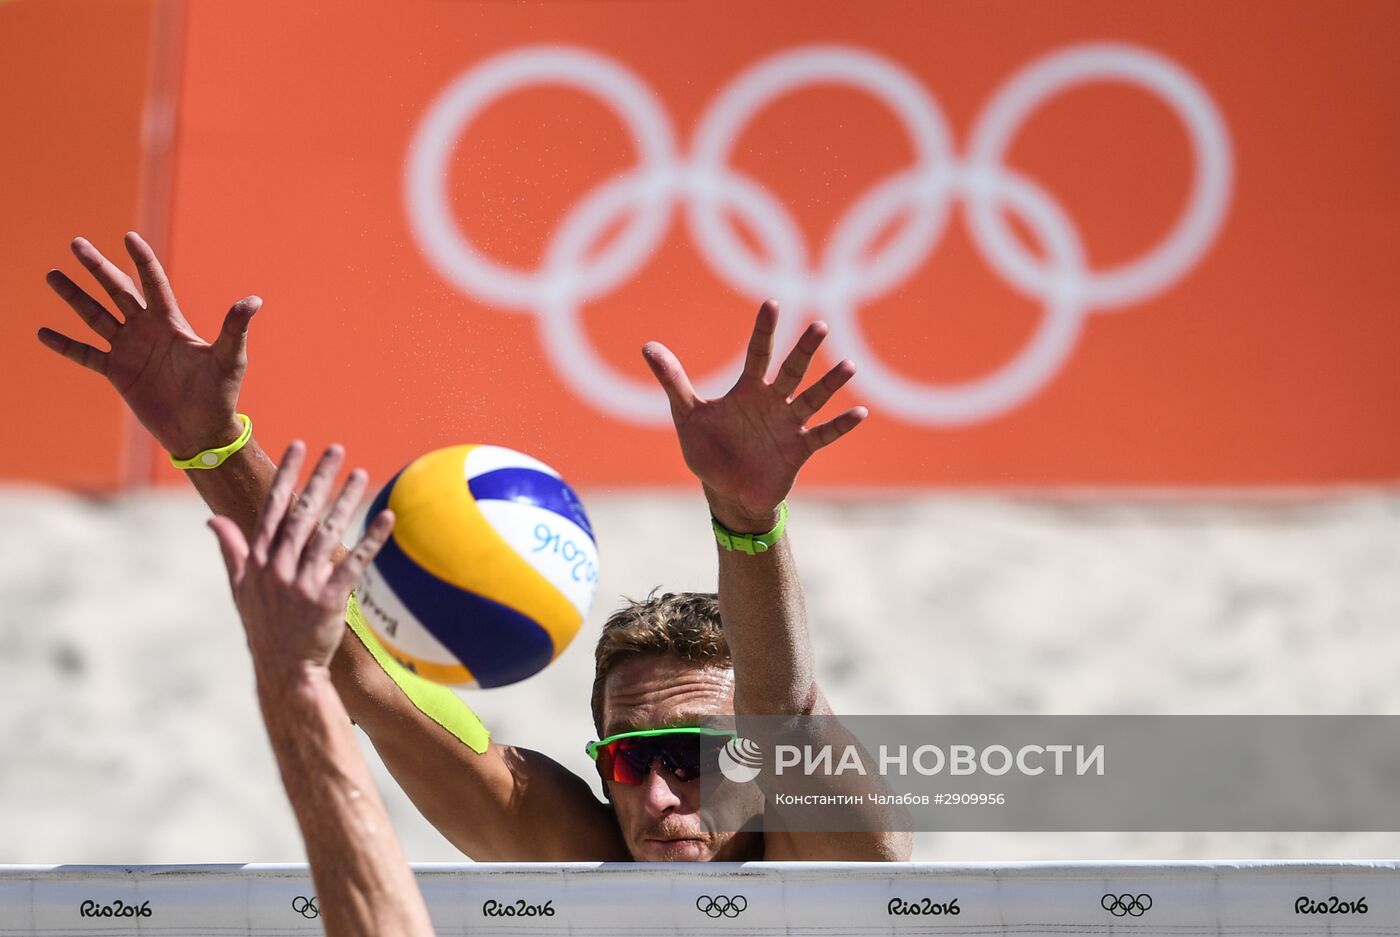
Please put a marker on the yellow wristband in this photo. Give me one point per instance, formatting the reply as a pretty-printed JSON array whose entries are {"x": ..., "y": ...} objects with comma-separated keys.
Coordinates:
[{"x": 213, "y": 458}]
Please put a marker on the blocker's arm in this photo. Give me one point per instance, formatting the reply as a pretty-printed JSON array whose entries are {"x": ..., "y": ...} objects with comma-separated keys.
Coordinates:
[
  {"x": 502, "y": 804},
  {"x": 747, "y": 448}
]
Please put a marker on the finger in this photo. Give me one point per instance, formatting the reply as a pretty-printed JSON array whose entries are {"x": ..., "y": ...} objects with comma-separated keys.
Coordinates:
[
  {"x": 231, "y": 347},
  {"x": 349, "y": 570},
  {"x": 815, "y": 397},
  {"x": 819, "y": 437},
  {"x": 154, "y": 283},
  {"x": 275, "y": 504},
  {"x": 328, "y": 535},
  {"x": 233, "y": 546},
  {"x": 110, "y": 277},
  {"x": 305, "y": 513},
  {"x": 671, "y": 376},
  {"x": 88, "y": 309},
  {"x": 85, "y": 355},
  {"x": 760, "y": 351},
  {"x": 794, "y": 369}
]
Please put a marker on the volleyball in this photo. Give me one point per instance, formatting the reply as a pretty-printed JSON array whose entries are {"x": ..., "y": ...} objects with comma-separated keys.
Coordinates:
[{"x": 489, "y": 571}]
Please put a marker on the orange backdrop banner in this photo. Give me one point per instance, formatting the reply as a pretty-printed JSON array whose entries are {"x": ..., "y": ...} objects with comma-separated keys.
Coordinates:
[
  {"x": 74, "y": 81},
  {"x": 1079, "y": 243}
]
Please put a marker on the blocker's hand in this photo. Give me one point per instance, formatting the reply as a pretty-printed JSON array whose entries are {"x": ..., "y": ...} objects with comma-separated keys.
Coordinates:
[
  {"x": 748, "y": 446},
  {"x": 289, "y": 591},
  {"x": 183, "y": 389}
]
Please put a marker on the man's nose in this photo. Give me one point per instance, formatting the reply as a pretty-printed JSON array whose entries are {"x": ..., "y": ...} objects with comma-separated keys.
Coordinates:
[{"x": 659, "y": 788}]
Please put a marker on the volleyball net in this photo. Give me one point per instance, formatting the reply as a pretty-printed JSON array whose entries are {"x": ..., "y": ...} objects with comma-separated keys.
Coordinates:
[{"x": 1145, "y": 898}]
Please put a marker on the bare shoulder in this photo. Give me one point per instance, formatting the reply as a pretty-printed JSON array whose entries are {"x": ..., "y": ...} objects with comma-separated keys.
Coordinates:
[
  {"x": 505, "y": 804},
  {"x": 557, "y": 811}
]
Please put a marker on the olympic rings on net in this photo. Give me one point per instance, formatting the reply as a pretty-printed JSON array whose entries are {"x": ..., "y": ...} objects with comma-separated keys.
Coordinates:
[
  {"x": 306, "y": 907},
  {"x": 640, "y": 202},
  {"x": 1131, "y": 905},
  {"x": 721, "y": 905}
]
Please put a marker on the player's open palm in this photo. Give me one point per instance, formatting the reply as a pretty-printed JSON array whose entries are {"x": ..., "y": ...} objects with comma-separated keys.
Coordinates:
[
  {"x": 748, "y": 446},
  {"x": 183, "y": 389},
  {"x": 289, "y": 589}
]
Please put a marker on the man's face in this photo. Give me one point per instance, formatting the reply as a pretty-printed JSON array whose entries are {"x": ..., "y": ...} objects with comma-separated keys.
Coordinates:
[{"x": 659, "y": 818}]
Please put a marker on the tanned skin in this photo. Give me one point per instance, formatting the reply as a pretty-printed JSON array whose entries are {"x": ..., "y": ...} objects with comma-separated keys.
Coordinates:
[{"x": 291, "y": 594}]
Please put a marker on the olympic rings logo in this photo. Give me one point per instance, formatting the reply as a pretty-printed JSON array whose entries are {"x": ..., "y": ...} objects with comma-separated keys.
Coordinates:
[
  {"x": 306, "y": 907},
  {"x": 834, "y": 281},
  {"x": 1131, "y": 905},
  {"x": 721, "y": 905}
]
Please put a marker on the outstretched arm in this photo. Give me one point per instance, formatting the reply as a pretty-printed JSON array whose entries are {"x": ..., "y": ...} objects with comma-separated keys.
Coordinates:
[
  {"x": 505, "y": 803},
  {"x": 183, "y": 390},
  {"x": 747, "y": 448},
  {"x": 290, "y": 595}
]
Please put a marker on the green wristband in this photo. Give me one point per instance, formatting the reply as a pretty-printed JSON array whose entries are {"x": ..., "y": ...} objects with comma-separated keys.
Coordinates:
[
  {"x": 751, "y": 543},
  {"x": 213, "y": 458}
]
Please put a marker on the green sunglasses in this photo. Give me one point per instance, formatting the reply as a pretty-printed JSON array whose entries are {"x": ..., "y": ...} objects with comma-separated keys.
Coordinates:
[{"x": 686, "y": 751}]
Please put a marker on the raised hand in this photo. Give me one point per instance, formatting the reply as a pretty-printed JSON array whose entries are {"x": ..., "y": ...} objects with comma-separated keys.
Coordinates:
[
  {"x": 183, "y": 390},
  {"x": 289, "y": 590},
  {"x": 748, "y": 446}
]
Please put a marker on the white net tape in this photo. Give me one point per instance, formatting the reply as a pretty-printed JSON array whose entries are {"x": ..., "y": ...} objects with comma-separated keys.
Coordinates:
[{"x": 829, "y": 899}]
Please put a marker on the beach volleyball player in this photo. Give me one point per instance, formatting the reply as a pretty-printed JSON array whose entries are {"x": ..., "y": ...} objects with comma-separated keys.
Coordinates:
[{"x": 662, "y": 663}]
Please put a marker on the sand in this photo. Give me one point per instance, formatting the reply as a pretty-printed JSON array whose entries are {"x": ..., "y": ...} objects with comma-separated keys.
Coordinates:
[{"x": 130, "y": 734}]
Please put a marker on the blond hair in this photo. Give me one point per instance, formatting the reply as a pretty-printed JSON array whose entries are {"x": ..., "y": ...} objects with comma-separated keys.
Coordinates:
[{"x": 680, "y": 625}]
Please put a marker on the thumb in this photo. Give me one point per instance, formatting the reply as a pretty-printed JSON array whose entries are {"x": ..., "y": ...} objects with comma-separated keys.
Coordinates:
[
  {"x": 671, "y": 376},
  {"x": 232, "y": 344},
  {"x": 233, "y": 545}
]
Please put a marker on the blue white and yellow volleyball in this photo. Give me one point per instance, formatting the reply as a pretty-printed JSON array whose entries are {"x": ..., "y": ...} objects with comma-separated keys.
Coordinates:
[{"x": 490, "y": 569}]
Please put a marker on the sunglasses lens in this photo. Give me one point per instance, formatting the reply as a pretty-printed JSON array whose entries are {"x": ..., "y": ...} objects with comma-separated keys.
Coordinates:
[
  {"x": 693, "y": 756},
  {"x": 687, "y": 756},
  {"x": 633, "y": 761},
  {"x": 681, "y": 758},
  {"x": 613, "y": 765}
]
